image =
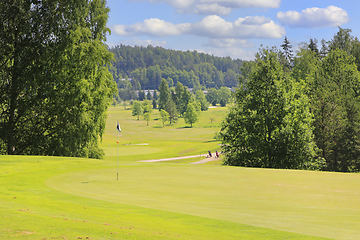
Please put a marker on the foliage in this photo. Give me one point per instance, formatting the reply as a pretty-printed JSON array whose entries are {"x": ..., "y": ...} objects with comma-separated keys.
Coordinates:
[
  {"x": 191, "y": 115},
  {"x": 336, "y": 107},
  {"x": 147, "y": 106},
  {"x": 212, "y": 96},
  {"x": 164, "y": 116},
  {"x": 201, "y": 99},
  {"x": 170, "y": 108},
  {"x": 287, "y": 54},
  {"x": 154, "y": 103},
  {"x": 147, "y": 117},
  {"x": 270, "y": 125},
  {"x": 55, "y": 86},
  {"x": 137, "y": 109},
  {"x": 164, "y": 94},
  {"x": 148, "y": 65},
  {"x": 142, "y": 95},
  {"x": 224, "y": 96}
]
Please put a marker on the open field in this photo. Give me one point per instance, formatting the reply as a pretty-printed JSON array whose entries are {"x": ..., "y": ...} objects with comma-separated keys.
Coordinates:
[{"x": 69, "y": 198}]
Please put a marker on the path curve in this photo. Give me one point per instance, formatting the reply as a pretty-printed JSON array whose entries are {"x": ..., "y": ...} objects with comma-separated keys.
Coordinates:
[
  {"x": 185, "y": 157},
  {"x": 206, "y": 160},
  {"x": 170, "y": 159}
]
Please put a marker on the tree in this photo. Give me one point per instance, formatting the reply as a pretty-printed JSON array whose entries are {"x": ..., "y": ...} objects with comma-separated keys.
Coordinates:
[
  {"x": 184, "y": 101},
  {"x": 287, "y": 54},
  {"x": 155, "y": 95},
  {"x": 335, "y": 92},
  {"x": 164, "y": 116},
  {"x": 55, "y": 86},
  {"x": 164, "y": 94},
  {"x": 142, "y": 95},
  {"x": 224, "y": 96},
  {"x": 137, "y": 109},
  {"x": 271, "y": 124},
  {"x": 147, "y": 118},
  {"x": 201, "y": 99},
  {"x": 170, "y": 108},
  {"x": 313, "y": 46},
  {"x": 149, "y": 96},
  {"x": 191, "y": 115},
  {"x": 212, "y": 96},
  {"x": 147, "y": 106}
]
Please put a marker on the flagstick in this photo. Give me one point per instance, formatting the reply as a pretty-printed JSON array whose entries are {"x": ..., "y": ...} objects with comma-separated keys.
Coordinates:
[
  {"x": 117, "y": 142},
  {"x": 117, "y": 173}
]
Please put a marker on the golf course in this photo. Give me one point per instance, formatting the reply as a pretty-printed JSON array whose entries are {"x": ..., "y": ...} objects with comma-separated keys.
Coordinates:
[{"x": 124, "y": 197}]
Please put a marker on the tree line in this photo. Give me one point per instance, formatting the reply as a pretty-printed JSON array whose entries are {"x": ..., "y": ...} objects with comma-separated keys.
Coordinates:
[
  {"x": 172, "y": 103},
  {"x": 299, "y": 111},
  {"x": 141, "y": 68}
]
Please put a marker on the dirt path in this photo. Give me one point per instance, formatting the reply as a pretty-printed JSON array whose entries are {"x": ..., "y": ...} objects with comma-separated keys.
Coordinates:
[
  {"x": 170, "y": 159},
  {"x": 206, "y": 160},
  {"x": 186, "y": 157}
]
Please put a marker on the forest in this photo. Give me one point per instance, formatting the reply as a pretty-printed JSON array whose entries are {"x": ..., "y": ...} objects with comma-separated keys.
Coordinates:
[
  {"x": 298, "y": 111},
  {"x": 142, "y": 68}
]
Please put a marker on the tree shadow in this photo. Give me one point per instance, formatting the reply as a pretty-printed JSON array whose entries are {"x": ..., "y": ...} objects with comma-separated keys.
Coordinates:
[{"x": 184, "y": 127}]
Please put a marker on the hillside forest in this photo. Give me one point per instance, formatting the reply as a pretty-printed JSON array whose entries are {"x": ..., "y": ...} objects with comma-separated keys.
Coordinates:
[{"x": 143, "y": 68}]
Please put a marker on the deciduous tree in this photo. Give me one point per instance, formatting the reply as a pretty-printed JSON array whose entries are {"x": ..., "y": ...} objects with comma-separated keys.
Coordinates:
[
  {"x": 164, "y": 116},
  {"x": 54, "y": 84},
  {"x": 271, "y": 124},
  {"x": 137, "y": 109},
  {"x": 191, "y": 115}
]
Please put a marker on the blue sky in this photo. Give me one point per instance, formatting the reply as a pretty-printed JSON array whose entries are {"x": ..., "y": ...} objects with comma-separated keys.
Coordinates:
[{"x": 234, "y": 28}]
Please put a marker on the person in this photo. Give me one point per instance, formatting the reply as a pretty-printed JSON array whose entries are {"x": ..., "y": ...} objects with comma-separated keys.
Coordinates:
[
  {"x": 210, "y": 154},
  {"x": 217, "y": 154}
]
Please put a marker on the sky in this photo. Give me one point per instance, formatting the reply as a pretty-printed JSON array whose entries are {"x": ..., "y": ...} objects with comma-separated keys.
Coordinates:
[{"x": 234, "y": 28}]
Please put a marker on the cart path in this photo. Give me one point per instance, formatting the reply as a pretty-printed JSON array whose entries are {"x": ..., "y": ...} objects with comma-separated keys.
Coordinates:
[{"x": 186, "y": 157}]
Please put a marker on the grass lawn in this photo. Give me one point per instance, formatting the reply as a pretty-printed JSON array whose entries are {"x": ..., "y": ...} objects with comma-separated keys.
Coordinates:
[{"x": 71, "y": 198}]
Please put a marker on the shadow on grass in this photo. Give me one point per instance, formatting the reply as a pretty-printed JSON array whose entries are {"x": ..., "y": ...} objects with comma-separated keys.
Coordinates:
[
  {"x": 211, "y": 126},
  {"x": 184, "y": 127},
  {"x": 211, "y": 141}
]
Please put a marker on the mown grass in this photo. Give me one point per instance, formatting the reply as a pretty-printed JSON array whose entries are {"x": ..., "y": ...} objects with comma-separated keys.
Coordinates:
[
  {"x": 70, "y": 198},
  {"x": 30, "y": 209}
]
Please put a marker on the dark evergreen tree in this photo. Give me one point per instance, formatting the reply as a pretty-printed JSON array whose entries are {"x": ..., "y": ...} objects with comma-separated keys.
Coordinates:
[
  {"x": 164, "y": 94},
  {"x": 149, "y": 96},
  {"x": 287, "y": 53},
  {"x": 142, "y": 96},
  {"x": 313, "y": 46}
]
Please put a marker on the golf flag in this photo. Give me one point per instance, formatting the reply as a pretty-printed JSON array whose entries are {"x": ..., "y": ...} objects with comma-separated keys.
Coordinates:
[{"x": 118, "y": 127}]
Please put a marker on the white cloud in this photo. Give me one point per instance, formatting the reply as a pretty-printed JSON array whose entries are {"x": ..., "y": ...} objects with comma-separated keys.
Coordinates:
[
  {"x": 218, "y": 7},
  {"x": 152, "y": 27},
  {"x": 256, "y": 20},
  {"x": 245, "y": 3},
  {"x": 229, "y": 43},
  {"x": 213, "y": 27},
  {"x": 211, "y": 9},
  {"x": 315, "y": 17}
]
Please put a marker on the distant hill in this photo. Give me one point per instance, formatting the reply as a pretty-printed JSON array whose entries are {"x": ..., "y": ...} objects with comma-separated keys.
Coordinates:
[{"x": 146, "y": 66}]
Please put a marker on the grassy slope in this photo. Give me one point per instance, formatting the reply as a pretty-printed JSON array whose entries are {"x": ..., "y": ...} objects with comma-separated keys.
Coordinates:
[{"x": 169, "y": 200}]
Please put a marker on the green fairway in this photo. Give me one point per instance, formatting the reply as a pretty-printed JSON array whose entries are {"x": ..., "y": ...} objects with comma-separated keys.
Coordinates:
[
  {"x": 72, "y": 198},
  {"x": 314, "y": 203}
]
